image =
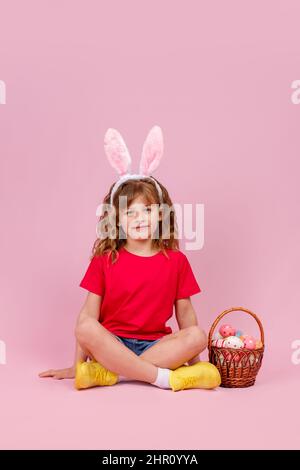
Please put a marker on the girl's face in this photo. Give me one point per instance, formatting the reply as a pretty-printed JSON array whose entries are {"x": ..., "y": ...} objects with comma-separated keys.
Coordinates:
[{"x": 140, "y": 219}]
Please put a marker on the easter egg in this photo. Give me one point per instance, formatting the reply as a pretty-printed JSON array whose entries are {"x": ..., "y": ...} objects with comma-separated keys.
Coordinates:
[
  {"x": 233, "y": 342},
  {"x": 239, "y": 333},
  {"x": 249, "y": 342},
  {"x": 243, "y": 337},
  {"x": 226, "y": 330},
  {"x": 258, "y": 344}
]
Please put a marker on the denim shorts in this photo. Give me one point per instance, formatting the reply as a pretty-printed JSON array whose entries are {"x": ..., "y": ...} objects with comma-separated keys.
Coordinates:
[{"x": 138, "y": 346}]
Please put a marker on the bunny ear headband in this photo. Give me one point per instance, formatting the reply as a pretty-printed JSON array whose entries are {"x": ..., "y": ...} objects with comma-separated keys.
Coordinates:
[{"x": 120, "y": 159}]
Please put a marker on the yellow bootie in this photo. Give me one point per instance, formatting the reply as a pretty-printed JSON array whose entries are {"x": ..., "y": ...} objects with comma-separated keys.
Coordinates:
[
  {"x": 199, "y": 375},
  {"x": 93, "y": 374}
]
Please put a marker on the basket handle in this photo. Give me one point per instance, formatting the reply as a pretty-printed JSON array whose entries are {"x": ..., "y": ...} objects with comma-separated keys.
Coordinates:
[{"x": 212, "y": 329}]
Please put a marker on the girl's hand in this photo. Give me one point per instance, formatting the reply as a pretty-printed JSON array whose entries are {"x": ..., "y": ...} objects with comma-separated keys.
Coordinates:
[{"x": 68, "y": 373}]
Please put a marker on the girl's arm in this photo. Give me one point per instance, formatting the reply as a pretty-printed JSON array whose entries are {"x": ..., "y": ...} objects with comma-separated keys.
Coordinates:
[
  {"x": 80, "y": 355},
  {"x": 91, "y": 307},
  {"x": 186, "y": 316}
]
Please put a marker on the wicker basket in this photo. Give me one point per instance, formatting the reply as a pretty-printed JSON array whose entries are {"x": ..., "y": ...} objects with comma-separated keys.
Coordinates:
[{"x": 238, "y": 367}]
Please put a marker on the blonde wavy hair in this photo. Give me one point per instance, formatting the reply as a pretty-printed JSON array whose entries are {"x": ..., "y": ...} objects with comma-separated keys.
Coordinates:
[{"x": 133, "y": 188}]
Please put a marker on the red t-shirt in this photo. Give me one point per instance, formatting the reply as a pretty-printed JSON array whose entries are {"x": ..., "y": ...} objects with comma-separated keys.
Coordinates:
[{"x": 138, "y": 292}]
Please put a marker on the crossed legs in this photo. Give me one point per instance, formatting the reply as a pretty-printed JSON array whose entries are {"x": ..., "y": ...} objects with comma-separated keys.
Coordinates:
[{"x": 169, "y": 352}]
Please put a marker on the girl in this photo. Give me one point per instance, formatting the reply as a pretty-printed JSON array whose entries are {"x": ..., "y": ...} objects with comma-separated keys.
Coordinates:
[{"x": 135, "y": 277}]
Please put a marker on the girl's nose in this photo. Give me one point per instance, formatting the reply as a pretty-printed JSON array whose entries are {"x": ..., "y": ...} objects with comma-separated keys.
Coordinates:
[
  {"x": 140, "y": 216},
  {"x": 140, "y": 221}
]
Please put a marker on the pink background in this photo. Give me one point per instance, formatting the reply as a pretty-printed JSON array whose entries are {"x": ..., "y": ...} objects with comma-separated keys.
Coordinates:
[{"x": 216, "y": 76}]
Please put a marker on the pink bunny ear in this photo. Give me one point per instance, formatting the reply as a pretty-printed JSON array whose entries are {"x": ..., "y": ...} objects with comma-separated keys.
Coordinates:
[
  {"x": 152, "y": 151},
  {"x": 116, "y": 151}
]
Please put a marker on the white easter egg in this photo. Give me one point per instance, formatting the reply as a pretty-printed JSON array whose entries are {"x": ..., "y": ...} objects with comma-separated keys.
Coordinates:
[{"x": 233, "y": 342}]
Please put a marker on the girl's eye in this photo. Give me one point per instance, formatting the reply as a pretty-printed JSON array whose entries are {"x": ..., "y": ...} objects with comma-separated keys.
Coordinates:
[{"x": 129, "y": 212}]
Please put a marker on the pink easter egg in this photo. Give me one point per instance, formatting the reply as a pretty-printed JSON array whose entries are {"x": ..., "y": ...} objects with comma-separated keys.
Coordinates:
[
  {"x": 243, "y": 337},
  {"x": 226, "y": 330},
  {"x": 249, "y": 342}
]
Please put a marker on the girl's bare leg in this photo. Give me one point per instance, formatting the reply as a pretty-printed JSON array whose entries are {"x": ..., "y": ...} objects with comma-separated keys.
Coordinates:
[
  {"x": 101, "y": 345},
  {"x": 175, "y": 349},
  {"x": 111, "y": 353}
]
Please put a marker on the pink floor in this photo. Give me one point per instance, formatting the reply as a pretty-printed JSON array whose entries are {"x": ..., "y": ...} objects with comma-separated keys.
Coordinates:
[{"x": 50, "y": 414}]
